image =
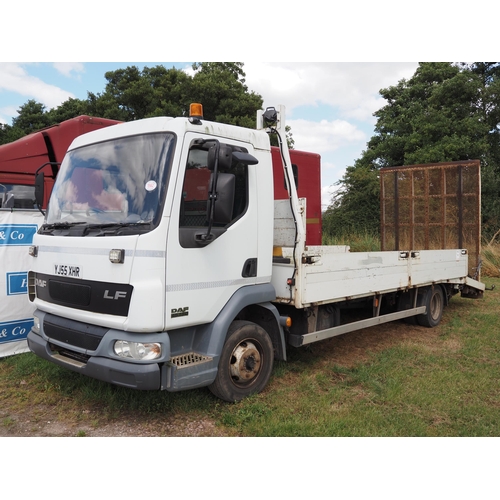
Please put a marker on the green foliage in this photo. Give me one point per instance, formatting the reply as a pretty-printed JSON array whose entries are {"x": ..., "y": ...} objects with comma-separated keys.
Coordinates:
[
  {"x": 132, "y": 94},
  {"x": 490, "y": 258},
  {"x": 32, "y": 116},
  {"x": 67, "y": 110},
  {"x": 8, "y": 133},
  {"x": 355, "y": 207},
  {"x": 429, "y": 118},
  {"x": 221, "y": 88},
  {"x": 357, "y": 242},
  {"x": 445, "y": 112}
]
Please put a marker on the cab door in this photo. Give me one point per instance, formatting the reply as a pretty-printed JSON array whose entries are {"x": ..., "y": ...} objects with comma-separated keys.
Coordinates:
[{"x": 212, "y": 245}]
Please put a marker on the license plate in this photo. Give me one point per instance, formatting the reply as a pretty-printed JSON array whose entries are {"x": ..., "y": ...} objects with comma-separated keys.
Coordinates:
[{"x": 66, "y": 270}]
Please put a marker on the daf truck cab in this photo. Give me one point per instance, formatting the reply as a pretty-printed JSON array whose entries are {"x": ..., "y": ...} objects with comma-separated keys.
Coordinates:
[{"x": 155, "y": 251}]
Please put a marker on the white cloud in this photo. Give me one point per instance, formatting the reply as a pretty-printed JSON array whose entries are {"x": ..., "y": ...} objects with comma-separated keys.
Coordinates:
[
  {"x": 353, "y": 88},
  {"x": 70, "y": 68},
  {"x": 7, "y": 111},
  {"x": 324, "y": 136},
  {"x": 335, "y": 102},
  {"x": 15, "y": 78}
]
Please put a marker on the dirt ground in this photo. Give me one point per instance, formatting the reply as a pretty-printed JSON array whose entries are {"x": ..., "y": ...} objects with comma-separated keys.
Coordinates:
[{"x": 23, "y": 425}]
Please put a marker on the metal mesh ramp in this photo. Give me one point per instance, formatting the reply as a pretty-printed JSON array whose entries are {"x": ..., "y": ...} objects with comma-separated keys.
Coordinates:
[{"x": 432, "y": 207}]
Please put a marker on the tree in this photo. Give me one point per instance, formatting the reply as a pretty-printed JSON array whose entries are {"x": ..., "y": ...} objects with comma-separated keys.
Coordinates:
[
  {"x": 67, "y": 110},
  {"x": 354, "y": 205},
  {"x": 9, "y": 133},
  {"x": 429, "y": 118},
  {"x": 488, "y": 109},
  {"x": 32, "y": 117},
  {"x": 132, "y": 94},
  {"x": 221, "y": 88},
  {"x": 445, "y": 112}
]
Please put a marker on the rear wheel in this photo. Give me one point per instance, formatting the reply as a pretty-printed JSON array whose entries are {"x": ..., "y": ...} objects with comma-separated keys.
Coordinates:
[
  {"x": 434, "y": 302},
  {"x": 245, "y": 364}
]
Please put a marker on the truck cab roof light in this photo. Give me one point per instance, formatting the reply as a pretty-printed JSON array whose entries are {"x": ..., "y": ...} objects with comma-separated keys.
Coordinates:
[{"x": 195, "y": 113}]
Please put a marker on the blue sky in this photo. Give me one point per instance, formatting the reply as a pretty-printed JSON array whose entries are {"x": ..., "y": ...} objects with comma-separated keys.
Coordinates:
[{"x": 329, "y": 106}]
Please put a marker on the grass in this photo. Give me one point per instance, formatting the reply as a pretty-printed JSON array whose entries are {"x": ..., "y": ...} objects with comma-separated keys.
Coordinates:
[
  {"x": 8, "y": 422},
  {"x": 446, "y": 386},
  {"x": 358, "y": 242},
  {"x": 420, "y": 382},
  {"x": 490, "y": 257}
]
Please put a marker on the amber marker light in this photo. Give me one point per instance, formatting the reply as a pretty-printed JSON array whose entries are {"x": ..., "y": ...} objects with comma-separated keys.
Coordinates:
[
  {"x": 286, "y": 321},
  {"x": 196, "y": 110}
]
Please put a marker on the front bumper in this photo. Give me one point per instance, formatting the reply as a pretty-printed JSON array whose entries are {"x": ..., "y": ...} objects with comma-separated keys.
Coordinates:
[
  {"x": 88, "y": 349},
  {"x": 136, "y": 376}
]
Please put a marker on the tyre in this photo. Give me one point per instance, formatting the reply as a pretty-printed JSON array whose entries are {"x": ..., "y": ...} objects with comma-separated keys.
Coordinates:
[
  {"x": 434, "y": 302},
  {"x": 245, "y": 364}
]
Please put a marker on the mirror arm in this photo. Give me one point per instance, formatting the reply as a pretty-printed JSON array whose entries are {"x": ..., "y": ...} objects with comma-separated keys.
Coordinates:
[{"x": 212, "y": 195}]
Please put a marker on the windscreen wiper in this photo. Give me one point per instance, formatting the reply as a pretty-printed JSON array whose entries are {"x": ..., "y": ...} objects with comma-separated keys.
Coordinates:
[
  {"x": 61, "y": 225},
  {"x": 112, "y": 228},
  {"x": 49, "y": 228}
]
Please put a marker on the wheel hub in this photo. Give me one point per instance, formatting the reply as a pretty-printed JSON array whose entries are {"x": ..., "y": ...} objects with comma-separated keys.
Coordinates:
[
  {"x": 245, "y": 362},
  {"x": 435, "y": 306}
]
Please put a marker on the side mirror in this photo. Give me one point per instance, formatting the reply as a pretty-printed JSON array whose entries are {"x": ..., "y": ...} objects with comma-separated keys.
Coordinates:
[
  {"x": 225, "y": 156},
  {"x": 245, "y": 158},
  {"x": 223, "y": 208},
  {"x": 39, "y": 189}
]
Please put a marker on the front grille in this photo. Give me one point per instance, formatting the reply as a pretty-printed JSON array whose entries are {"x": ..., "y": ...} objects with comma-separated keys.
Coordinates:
[
  {"x": 73, "y": 333},
  {"x": 189, "y": 359},
  {"x": 31, "y": 286},
  {"x": 87, "y": 295},
  {"x": 70, "y": 293}
]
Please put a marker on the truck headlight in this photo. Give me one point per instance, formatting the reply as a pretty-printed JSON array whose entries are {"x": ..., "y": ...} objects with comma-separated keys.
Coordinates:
[
  {"x": 36, "y": 324},
  {"x": 137, "y": 350}
]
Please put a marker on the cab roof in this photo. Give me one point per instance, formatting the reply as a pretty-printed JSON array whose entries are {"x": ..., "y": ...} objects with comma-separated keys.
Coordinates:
[{"x": 179, "y": 126}]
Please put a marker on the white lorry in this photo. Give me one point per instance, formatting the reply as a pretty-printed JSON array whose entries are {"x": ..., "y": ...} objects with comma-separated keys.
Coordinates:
[{"x": 164, "y": 262}]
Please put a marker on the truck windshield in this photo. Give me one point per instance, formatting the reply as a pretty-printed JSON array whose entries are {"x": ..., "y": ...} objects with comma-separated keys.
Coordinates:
[{"x": 118, "y": 182}]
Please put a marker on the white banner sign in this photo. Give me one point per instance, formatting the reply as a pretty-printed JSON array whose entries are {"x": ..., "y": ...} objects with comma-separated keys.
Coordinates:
[{"x": 16, "y": 311}]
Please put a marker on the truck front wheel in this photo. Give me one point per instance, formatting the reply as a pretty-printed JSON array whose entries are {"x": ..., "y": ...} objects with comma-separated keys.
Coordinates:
[
  {"x": 245, "y": 364},
  {"x": 434, "y": 301}
]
